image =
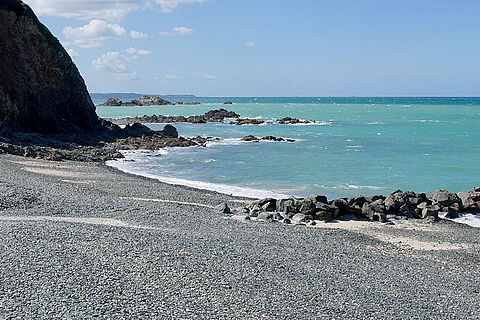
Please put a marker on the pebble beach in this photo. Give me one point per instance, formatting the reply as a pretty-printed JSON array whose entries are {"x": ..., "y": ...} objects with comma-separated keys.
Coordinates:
[{"x": 83, "y": 240}]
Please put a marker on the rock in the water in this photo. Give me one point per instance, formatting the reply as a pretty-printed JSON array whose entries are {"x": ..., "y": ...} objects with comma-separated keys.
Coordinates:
[
  {"x": 228, "y": 102},
  {"x": 41, "y": 89},
  {"x": 223, "y": 208},
  {"x": 242, "y": 122},
  {"x": 170, "y": 131},
  {"x": 137, "y": 130},
  {"x": 251, "y": 138}
]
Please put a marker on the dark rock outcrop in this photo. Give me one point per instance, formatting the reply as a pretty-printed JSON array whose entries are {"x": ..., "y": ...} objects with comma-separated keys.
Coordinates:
[
  {"x": 251, "y": 138},
  {"x": 41, "y": 89},
  {"x": 211, "y": 116}
]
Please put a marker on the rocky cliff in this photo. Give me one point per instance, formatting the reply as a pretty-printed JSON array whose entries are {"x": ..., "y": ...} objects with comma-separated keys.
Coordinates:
[{"x": 41, "y": 89}]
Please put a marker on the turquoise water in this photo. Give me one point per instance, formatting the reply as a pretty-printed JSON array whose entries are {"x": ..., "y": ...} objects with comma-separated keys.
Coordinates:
[{"x": 359, "y": 146}]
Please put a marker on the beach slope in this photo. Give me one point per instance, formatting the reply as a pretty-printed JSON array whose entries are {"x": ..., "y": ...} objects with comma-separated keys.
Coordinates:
[{"x": 82, "y": 240}]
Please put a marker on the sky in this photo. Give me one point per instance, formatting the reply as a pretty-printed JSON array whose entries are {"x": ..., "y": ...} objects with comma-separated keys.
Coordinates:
[{"x": 271, "y": 47}]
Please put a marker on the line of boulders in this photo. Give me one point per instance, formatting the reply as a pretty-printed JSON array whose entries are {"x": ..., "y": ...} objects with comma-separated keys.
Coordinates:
[
  {"x": 211, "y": 116},
  {"x": 440, "y": 204}
]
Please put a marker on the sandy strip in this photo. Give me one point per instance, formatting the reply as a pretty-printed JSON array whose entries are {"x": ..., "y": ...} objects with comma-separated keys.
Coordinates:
[
  {"x": 56, "y": 173},
  {"x": 170, "y": 201},
  {"x": 93, "y": 221},
  {"x": 380, "y": 232}
]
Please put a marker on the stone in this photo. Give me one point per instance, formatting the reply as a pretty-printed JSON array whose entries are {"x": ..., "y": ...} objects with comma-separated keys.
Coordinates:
[
  {"x": 305, "y": 206},
  {"x": 375, "y": 211},
  {"x": 169, "y": 131},
  {"x": 430, "y": 211},
  {"x": 228, "y": 102},
  {"x": 267, "y": 204},
  {"x": 357, "y": 201},
  {"x": 318, "y": 198},
  {"x": 285, "y": 205},
  {"x": 448, "y": 213},
  {"x": 264, "y": 216},
  {"x": 470, "y": 200},
  {"x": 444, "y": 198},
  {"x": 344, "y": 207},
  {"x": 223, "y": 208},
  {"x": 325, "y": 211},
  {"x": 300, "y": 217}
]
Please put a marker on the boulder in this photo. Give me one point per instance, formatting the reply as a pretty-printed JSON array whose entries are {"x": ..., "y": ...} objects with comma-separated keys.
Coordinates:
[
  {"x": 223, "y": 208},
  {"x": 267, "y": 204},
  {"x": 305, "y": 206},
  {"x": 300, "y": 217},
  {"x": 444, "y": 198},
  {"x": 169, "y": 131},
  {"x": 318, "y": 198},
  {"x": 325, "y": 211},
  {"x": 136, "y": 130},
  {"x": 430, "y": 211},
  {"x": 470, "y": 200},
  {"x": 375, "y": 211},
  {"x": 285, "y": 205},
  {"x": 265, "y": 216},
  {"x": 228, "y": 102}
]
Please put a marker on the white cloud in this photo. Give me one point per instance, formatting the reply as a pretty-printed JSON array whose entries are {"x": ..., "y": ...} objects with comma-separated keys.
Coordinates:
[
  {"x": 178, "y": 31},
  {"x": 110, "y": 10},
  {"x": 250, "y": 44},
  {"x": 208, "y": 76},
  {"x": 169, "y": 78},
  {"x": 119, "y": 64},
  {"x": 135, "y": 52},
  {"x": 72, "y": 53},
  {"x": 138, "y": 35},
  {"x": 170, "y": 5},
  {"x": 93, "y": 34}
]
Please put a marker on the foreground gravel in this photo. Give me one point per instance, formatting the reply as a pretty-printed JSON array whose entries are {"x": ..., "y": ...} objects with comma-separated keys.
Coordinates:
[{"x": 76, "y": 243}]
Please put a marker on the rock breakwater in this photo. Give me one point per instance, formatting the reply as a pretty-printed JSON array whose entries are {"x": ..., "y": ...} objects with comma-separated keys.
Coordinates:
[{"x": 433, "y": 206}]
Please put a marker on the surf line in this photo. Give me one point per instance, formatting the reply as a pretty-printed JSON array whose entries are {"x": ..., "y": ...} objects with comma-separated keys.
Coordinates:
[{"x": 170, "y": 201}]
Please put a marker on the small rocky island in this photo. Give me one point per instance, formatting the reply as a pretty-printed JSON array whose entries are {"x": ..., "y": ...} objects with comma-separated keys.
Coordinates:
[{"x": 143, "y": 101}]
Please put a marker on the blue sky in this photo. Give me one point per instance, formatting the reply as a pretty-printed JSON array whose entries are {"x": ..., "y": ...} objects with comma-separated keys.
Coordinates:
[{"x": 272, "y": 48}]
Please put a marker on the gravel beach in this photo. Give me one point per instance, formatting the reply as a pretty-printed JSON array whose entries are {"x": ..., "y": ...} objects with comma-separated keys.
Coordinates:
[{"x": 82, "y": 240}]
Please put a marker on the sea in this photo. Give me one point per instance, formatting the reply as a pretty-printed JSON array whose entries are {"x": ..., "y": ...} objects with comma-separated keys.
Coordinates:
[{"x": 356, "y": 146}]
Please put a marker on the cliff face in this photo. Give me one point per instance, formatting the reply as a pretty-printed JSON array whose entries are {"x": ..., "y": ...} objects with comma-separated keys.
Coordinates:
[{"x": 41, "y": 89}]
